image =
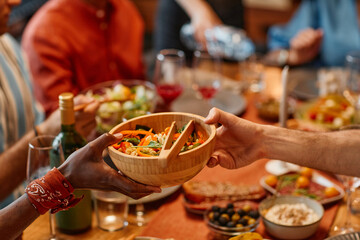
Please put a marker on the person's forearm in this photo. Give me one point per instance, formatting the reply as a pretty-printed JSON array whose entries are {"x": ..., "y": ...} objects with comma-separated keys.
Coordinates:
[
  {"x": 13, "y": 165},
  {"x": 192, "y": 7},
  {"x": 332, "y": 151},
  {"x": 16, "y": 217}
]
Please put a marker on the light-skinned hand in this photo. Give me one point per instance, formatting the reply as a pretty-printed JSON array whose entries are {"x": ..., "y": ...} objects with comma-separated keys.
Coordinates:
[
  {"x": 305, "y": 46},
  {"x": 235, "y": 145}
]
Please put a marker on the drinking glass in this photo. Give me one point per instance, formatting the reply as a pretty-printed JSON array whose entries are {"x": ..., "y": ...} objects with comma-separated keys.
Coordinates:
[
  {"x": 349, "y": 188},
  {"x": 251, "y": 71},
  {"x": 111, "y": 210},
  {"x": 167, "y": 76},
  {"x": 352, "y": 93},
  {"x": 43, "y": 154},
  {"x": 207, "y": 75}
]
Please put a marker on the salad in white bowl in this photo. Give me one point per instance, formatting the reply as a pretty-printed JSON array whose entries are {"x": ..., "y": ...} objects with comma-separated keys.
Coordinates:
[{"x": 124, "y": 99}]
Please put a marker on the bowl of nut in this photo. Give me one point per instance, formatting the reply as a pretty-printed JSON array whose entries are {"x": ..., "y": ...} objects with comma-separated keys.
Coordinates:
[{"x": 232, "y": 219}]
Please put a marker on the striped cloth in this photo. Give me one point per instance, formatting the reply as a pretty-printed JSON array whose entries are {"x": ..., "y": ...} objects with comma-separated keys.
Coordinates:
[{"x": 18, "y": 109}]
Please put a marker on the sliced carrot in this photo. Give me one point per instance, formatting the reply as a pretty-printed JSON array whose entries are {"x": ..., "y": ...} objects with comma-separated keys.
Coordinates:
[
  {"x": 135, "y": 132},
  {"x": 176, "y": 136},
  {"x": 124, "y": 146},
  {"x": 166, "y": 131},
  {"x": 141, "y": 154},
  {"x": 116, "y": 145}
]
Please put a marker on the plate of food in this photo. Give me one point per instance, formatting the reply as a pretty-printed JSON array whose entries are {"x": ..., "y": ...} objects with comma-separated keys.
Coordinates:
[
  {"x": 306, "y": 182},
  {"x": 331, "y": 111},
  {"x": 201, "y": 195},
  {"x": 122, "y": 99}
]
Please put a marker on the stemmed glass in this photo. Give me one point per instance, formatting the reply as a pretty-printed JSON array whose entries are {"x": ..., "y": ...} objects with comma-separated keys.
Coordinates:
[
  {"x": 167, "y": 76},
  {"x": 352, "y": 92},
  {"x": 207, "y": 75},
  {"x": 42, "y": 156}
]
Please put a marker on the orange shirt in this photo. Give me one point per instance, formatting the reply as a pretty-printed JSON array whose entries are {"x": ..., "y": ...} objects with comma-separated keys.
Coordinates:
[{"x": 70, "y": 46}]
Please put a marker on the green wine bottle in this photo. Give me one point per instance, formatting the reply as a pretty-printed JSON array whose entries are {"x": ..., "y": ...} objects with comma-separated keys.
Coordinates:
[{"x": 77, "y": 219}]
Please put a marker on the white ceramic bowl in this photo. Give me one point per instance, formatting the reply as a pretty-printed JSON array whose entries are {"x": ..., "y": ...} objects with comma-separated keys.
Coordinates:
[{"x": 291, "y": 232}]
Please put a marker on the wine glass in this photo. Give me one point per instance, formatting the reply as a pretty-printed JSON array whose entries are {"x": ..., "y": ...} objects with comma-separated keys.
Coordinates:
[
  {"x": 168, "y": 72},
  {"x": 43, "y": 154},
  {"x": 207, "y": 75},
  {"x": 352, "y": 92}
]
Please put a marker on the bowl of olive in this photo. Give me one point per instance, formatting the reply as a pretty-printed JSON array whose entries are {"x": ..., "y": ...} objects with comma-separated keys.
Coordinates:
[{"x": 232, "y": 219}]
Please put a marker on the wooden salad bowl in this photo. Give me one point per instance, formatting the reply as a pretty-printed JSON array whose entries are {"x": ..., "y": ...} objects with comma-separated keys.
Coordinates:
[{"x": 149, "y": 170}]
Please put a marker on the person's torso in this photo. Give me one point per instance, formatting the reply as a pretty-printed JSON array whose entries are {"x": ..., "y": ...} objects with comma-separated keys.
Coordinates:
[{"x": 18, "y": 112}]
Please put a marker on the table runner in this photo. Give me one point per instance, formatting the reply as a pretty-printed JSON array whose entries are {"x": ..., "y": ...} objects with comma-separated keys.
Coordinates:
[{"x": 173, "y": 221}]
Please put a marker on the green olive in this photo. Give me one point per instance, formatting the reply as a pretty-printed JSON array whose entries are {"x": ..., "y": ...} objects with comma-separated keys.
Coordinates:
[{"x": 235, "y": 217}]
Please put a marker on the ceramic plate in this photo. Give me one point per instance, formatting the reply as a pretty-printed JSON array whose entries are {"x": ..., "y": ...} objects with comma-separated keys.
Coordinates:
[
  {"x": 225, "y": 100},
  {"x": 317, "y": 178},
  {"x": 347, "y": 236},
  {"x": 155, "y": 196}
]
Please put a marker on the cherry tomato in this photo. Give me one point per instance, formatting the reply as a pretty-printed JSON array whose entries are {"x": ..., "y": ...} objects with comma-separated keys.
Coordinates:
[
  {"x": 271, "y": 180},
  {"x": 306, "y": 172},
  {"x": 302, "y": 182},
  {"x": 331, "y": 192}
]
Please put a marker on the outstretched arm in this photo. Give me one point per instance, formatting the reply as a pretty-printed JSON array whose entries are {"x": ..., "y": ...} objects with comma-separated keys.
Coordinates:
[
  {"x": 241, "y": 142},
  {"x": 202, "y": 17},
  {"x": 83, "y": 169},
  {"x": 14, "y": 159}
]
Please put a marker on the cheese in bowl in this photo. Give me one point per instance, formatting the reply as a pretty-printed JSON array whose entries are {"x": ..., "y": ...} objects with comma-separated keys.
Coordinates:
[
  {"x": 291, "y": 214},
  {"x": 291, "y": 217}
]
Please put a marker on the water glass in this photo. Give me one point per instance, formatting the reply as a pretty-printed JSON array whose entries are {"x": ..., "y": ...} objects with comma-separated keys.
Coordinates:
[
  {"x": 252, "y": 75},
  {"x": 111, "y": 210}
]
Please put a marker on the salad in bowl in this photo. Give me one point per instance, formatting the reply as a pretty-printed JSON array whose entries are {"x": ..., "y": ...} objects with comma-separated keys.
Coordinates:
[{"x": 122, "y": 99}]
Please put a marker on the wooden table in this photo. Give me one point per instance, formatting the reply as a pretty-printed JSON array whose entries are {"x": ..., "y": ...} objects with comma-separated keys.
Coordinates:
[{"x": 40, "y": 228}]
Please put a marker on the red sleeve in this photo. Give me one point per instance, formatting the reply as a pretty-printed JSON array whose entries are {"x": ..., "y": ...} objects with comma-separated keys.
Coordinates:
[{"x": 49, "y": 64}]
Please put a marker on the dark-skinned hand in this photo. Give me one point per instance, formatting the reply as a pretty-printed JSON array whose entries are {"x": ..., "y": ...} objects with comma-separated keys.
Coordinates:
[{"x": 85, "y": 168}]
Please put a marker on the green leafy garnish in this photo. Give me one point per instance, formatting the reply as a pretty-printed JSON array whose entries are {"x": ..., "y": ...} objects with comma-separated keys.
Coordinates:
[{"x": 152, "y": 144}]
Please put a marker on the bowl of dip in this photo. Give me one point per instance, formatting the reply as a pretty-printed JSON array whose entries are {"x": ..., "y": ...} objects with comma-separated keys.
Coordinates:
[{"x": 291, "y": 217}]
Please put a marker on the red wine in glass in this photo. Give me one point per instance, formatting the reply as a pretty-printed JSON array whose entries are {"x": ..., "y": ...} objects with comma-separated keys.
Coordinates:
[
  {"x": 169, "y": 92},
  {"x": 207, "y": 92}
]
